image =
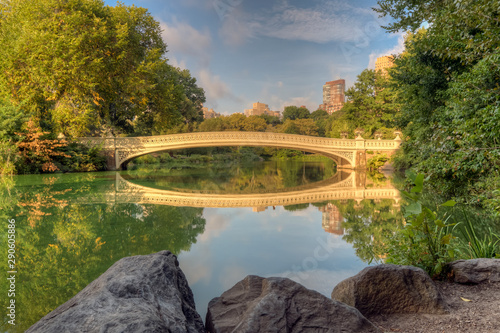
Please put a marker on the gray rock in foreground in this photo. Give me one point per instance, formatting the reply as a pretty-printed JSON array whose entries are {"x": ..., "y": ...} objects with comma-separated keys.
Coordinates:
[
  {"x": 137, "y": 294},
  {"x": 257, "y": 304},
  {"x": 388, "y": 289},
  {"x": 475, "y": 271}
]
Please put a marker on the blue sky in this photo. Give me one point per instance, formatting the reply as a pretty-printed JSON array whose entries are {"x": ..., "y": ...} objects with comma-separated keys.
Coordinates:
[{"x": 278, "y": 52}]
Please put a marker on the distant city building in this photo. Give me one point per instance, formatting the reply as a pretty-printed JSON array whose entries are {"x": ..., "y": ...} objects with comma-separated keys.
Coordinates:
[
  {"x": 332, "y": 219},
  {"x": 259, "y": 109},
  {"x": 333, "y": 96},
  {"x": 207, "y": 114},
  {"x": 384, "y": 63}
]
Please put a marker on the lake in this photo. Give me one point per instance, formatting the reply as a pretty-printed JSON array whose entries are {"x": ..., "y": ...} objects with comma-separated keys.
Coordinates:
[{"x": 301, "y": 220}]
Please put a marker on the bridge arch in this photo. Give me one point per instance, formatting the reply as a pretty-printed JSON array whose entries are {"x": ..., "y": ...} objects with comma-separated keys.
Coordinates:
[{"x": 339, "y": 160}]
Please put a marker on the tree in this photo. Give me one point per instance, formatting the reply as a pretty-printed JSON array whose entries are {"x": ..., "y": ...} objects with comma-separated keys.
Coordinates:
[
  {"x": 270, "y": 120},
  {"x": 213, "y": 125},
  {"x": 236, "y": 122},
  {"x": 254, "y": 124},
  {"x": 319, "y": 114},
  {"x": 371, "y": 103},
  {"x": 447, "y": 82},
  {"x": 81, "y": 67},
  {"x": 293, "y": 112},
  {"x": 299, "y": 126},
  {"x": 39, "y": 150}
]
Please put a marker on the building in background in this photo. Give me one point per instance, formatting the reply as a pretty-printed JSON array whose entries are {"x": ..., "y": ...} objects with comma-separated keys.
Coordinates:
[
  {"x": 207, "y": 114},
  {"x": 333, "y": 96},
  {"x": 259, "y": 109},
  {"x": 383, "y": 64},
  {"x": 332, "y": 219}
]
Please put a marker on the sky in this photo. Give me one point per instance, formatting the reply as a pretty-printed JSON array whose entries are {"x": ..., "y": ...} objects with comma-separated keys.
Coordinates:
[{"x": 277, "y": 52}]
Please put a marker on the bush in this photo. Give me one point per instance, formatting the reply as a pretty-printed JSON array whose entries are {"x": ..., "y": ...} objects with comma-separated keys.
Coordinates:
[
  {"x": 82, "y": 159},
  {"x": 376, "y": 162},
  {"x": 426, "y": 239},
  {"x": 8, "y": 158}
]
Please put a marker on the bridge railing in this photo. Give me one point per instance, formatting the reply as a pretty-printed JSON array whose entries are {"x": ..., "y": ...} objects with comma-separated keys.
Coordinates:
[{"x": 230, "y": 136}]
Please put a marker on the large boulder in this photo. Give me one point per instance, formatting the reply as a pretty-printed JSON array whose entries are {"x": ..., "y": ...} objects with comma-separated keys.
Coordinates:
[
  {"x": 387, "y": 289},
  {"x": 256, "y": 304},
  {"x": 474, "y": 271},
  {"x": 137, "y": 294}
]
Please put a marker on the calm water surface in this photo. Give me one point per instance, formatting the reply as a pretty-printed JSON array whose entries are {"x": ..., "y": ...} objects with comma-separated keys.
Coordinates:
[{"x": 70, "y": 228}]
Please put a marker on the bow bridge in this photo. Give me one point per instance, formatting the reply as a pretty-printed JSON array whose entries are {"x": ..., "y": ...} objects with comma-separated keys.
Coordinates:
[{"x": 347, "y": 153}]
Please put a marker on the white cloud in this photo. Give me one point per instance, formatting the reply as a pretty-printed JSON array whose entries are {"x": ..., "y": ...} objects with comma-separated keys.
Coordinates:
[
  {"x": 194, "y": 265},
  {"x": 214, "y": 87},
  {"x": 328, "y": 21},
  {"x": 236, "y": 30},
  {"x": 397, "y": 49},
  {"x": 176, "y": 63},
  {"x": 215, "y": 224},
  {"x": 277, "y": 103},
  {"x": 197, "y": 3},
  {"x": 183, "y": 39},
  {"x": 191, "y": 48}
]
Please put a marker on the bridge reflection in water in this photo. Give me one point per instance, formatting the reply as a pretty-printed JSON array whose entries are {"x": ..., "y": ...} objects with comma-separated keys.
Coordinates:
[{"x": 343, "y": 186}]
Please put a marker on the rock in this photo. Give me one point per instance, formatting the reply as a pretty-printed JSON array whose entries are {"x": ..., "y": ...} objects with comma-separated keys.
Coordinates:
[
  {"x": 137, "y": 294},
  {"x": 256, "y": 304},
  {"x": 388, "y": 289},
  {"x": 475, "y": 271}
]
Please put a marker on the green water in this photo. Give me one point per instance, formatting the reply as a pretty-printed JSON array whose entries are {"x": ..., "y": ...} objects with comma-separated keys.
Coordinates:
[{"x": 70, "y": 228}]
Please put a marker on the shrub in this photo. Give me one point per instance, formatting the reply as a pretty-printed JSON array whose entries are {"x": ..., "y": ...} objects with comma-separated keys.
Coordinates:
[{"x": 426, "y": 239}]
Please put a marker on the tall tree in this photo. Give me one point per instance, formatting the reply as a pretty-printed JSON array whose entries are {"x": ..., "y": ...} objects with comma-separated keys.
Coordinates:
[
  {"x": 448, "y": 84},
  {"x": 82, "y": 67},
  {"x": 294, "y": 112}
]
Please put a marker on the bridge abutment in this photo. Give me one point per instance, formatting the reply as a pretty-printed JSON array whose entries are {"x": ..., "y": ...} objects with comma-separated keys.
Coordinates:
[
  {"x": 360, "y": 160},
  {"x": 110, "y": 155}
]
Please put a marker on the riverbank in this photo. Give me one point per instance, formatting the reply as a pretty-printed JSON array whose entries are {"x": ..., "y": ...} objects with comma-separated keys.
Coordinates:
[{"x": 473, "y": 309}]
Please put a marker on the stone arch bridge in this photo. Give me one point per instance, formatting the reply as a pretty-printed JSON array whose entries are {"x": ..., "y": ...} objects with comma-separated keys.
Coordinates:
[{"x": 347, "y": 153}]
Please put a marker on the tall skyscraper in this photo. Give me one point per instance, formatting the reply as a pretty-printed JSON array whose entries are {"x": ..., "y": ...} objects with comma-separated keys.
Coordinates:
[{"x": 333, "y": 96}]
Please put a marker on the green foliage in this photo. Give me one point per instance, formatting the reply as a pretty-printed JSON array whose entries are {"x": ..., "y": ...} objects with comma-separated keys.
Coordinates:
[
  {"x": 447, "y": 82},
  {"x": 213, "y": 125},
  {"x": 299, "y": 126},
  {"x": 12, "y": 118},
  {"x": 8, "y": 158},
  {"x": 270, "y": 120},
  {"x": 65, "y": 242},
  {"x": 297, "y": 207},
  {"x": 371, "y": 103},
  {"x": 369, "y": 226},
  {"x": 487, "y": 246},
  {"x": 319, "y": 114},
  {"x": 376, "y": 162},
  {"x": 82, "y": 159},
  {"x": 426, "y": 241},
  {"x": 82, "y": 67},
  {"x": 294, "y": 112},
  {"x": 371, "y": 106}
]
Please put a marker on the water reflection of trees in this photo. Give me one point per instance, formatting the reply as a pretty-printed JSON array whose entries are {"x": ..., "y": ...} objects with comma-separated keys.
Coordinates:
[
  {"x": 63, "y": 246},
  {"x": 257, "y": 177}
]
